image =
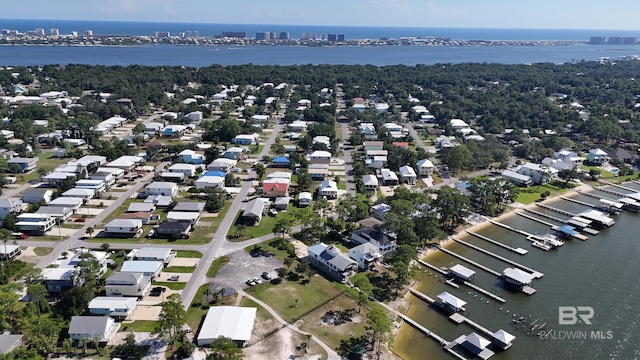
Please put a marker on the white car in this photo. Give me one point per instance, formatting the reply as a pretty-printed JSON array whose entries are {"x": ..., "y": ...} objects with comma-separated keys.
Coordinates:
[
  {"x": 257, "y": 280},
  {"x": 250, "y": 282}
]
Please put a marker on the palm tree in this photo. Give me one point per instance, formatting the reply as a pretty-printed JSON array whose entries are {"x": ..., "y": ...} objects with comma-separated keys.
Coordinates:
[{"x": 90, "y": 230}]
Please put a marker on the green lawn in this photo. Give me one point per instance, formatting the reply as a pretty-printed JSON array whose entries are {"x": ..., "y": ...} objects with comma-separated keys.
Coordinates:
[
  {"x": 197, "y": 310},
  {"x": 180, "y": 269},
  {"x": 531, "y": 194},
  {"x": 173, "y": 285},
  {"x": 45, "y": 161},
  {"x": 139, "y": 326},
  {"x": 216, "y": 265},
  {"x": 193, "y": 254},
  {"x": 282, "y": 297},
  {"x": 266, "y": 224},
  {"x": 42, "y": 251}
]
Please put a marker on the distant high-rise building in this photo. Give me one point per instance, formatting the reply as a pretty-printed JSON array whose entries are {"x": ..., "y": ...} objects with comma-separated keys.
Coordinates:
[
  {"x": 597, "y": 40},
  {"x": 261, "y": 36},
  {"x": 340, "y": 37},
  {"x": 273, "y": 35},
  {"x": 40, "y": 31},
  {"x": 308, "y": 36},
  {"x": 74, "y": 33},
  {"x": 283, "y": 35},
  {"x": 234, "y": 34},
  {"x": 54, "y": 32},
  {"x": 88, "y": 32},
  {"x": 332, "y": 37},
  {"x": 5, "y": 31},
  {"x": 162, "y": 34}
]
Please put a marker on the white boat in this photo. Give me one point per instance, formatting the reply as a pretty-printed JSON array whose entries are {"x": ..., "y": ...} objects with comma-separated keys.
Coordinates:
[
  {"x": 551, "y": 240},
  {"x": 541, "y": 245}
]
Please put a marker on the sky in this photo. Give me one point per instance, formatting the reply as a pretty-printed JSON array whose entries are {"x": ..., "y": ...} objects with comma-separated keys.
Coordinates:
[{"x": 538, "y": 14}]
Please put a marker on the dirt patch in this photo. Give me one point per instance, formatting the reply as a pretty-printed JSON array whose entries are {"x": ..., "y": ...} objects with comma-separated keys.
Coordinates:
[
  {"x": 301, "y": 249},
  {"x": 205, "y": 223}
]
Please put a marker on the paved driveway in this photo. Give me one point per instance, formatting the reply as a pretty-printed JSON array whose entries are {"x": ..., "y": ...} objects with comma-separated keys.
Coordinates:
[{"x": 242, "y": 266}]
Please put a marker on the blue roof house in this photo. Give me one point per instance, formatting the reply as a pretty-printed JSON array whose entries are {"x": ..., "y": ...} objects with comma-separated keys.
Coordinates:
[{"x": 280, "y": 161}]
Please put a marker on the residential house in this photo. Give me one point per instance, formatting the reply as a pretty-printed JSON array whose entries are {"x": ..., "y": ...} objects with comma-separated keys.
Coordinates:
[
  {"x": 84, "y": 194},
  {"x": 379, "y": 211},
  {"x": 382, "y": 240},
  {"x": 281, "y": 203},
  {"x": 91, "y": 327},
  {"x": 24, "y": 164},
  {"x": 320, "y": 157},
  {"x": 58, "y": 280},
  {"x": 195, "y": 116},
  {"x": 172, "y": 177},
  {"x": 408, "y": 175},
  {"x": 234, "y": 153},
  {"x": 260, "y": 118},
  {"x": 8, "y": 206},
  {"x": 304, "y": 199},
  {"x": 222, "y": 164},
  {"x": 106, "y": 177},
  {"x": 558, "y": 164},
  {"x": 141, "y": 207},
  {"x": 32, "y": 196},
  {"x": 328, "y": 189},
  {"x": 96, "y": 185},
  {"x": 540, "y": 174},
  {"x": 624, "y": 155},
  {"x": 321, "y": 139},
  {"x": 376, "y": 162},
  {"x": 160, "y": 201},
  {"x": 298, "y": 126},
  {"x": 126, "y": 163},
  {"x": 118, "y": 307},
  {"x": 280, "y": 162},
  {"x": 127, "y": 284},
  {"x": 8, "y": 252},
  {"x": 516, "y": 178},
  {"x": 370, "y": 182},
  {"x": 8, "y": 341},
  {"x": 365, "y": 255},
  {"x": 245, "y": 139},
  {"x": 36, "y": 224},
  {"x": 209, "y": 182},
  {"x": 188, "y": 170},
  {"x": 367, "y": 129},
  {"x": 57, "y": 177},
  {"x": 170, "y": 229},
  {"x": 153, "y": 128},
  {"x": 396, "y": 131},
  {"x": 373, "y": 145},
  {"x": 58, "y": 213},
  {"x": 253, "y": 211},
  {"x": 146, "y": 268},
  {"x": 189, "y": 206},
  {"x": 123, "y": 227},
  {"x": 332, "y": 261},
  {"x": 173, "y": 130},
  {"x": 389, "y": 177},
  {"x": 143, "y": 216},
  {"x": 192, "y": 157},
  {"x": 163, "y": 254},
  {"x": 67, "y": 202},
  {"x": 597, "y": 156},
  {"x": 183, "y": 216},
  {"x": 425, "y": 167},
  {"x": 117, "y": 173},
  {"x": 318, "y": 172},
  {"x": 382, "y": 108},
  {"x": 275, "y": 187},
  {"x": 162, "y": 188}
]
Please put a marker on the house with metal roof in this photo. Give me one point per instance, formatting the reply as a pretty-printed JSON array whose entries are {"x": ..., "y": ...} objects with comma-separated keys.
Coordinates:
[
  {"x": 162, "y": 188},
  {"x": 85, "y": 194},
  {"x": 146, "y": 268},
  {"x": 461, "y": 272},
  {"x": 8, "y": 342},
  {"x": 320, "y": 157},
  {"x": 32, "y": 196},
  {"x": 516, "y": 178},
  {"x": 60, "y": 214},
  {"x": 275, "y": 188},
  {"x": 379, "y": 211},
  {"x": 425, "y": 167},
  {"x": 123, "y": 227},
  {"x": 370, "y": 182},
  {"x": 163, "y": 254},
  {"x": 117, "y": 307},
  {"x": 331, "y": 260},
  {"x": 222, "y": 164},
  {"x": 189, "y": 206},
  {"x": 235, "y": 323},
  {"x": 451, "y": 302},
  {"x": 8, "y": 206},
  {"x": 192, "y": 157},
  {"x": 365, "y": 255},
  {"x": 188, "y": 170},
  {"x": 253, "y": 211},
  {"x": 183, "y": 216},
  {"x": 8, "y": 252},
  {"x": 329, "y": 189},
  {"x": 389, "y": 177},
  {"x": 381, "y": 239},
  {"x": 25, "y": 164},
  {"x": 127, "y": 284},
  {"x": 141, "y": 206},
  {"x": 408, "y": 175},
  {"x": 125, "y": 162},
  {"x": 304, "y": 198},
  {"x": 477, "y": 345},
  {"x": 91, "y": 327},
  {"x": 170, "y": 229},
  {"x": 36, "y": 224}
]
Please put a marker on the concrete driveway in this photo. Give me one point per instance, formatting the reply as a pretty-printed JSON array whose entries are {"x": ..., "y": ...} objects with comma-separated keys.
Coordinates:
[{"x": 242, "y": 266}]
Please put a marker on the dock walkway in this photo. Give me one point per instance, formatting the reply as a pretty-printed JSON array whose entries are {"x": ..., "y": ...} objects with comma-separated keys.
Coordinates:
[
  {"x": 559, "y": 211},
  {"x": 456, "y": 255},
  {"x": 576, "y": 201},
  {"x": 459, "y": 319},
  {"x": 536, "y": 274},
  {"x": 519, "y": 251},
  {"x": 546, "y": 216},
  {"x": 592, "y": 195},
  {"x": 618, "y": 186}
]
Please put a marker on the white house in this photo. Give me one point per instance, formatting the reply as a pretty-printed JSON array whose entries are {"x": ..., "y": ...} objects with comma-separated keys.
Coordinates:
[
  {"x": 35, "y": 223},
  {"x": 206, "y": 182},
  {"x": 389, "y": 177},
  {"x": 329, "y": 189},
  {"x": 331, "y": 260},
  {"x": 60, "y": 214},
  {"x": 106, "y": 177},
  {"x": 120, "y": 307},
  {"x": 235, "y": 323},
  {"x": 383, "y": 241},
  {"x": 91, "y": 327},
  {"x": 365, "y": 255},
  {"x": 370, "y": 182},
  {"x": 222, "y": 164},
  {"x": 367, "y": 129},
  {"x": 518, "y": 179},
  {"x": 162, "y": 188},
  {"x": 8, "y": 206},
  {"x": 67, "y": 202},
  {"x": 85, "y": 194},
  {"x": 123, "y": 227},
  {"x": 320, "y": 157},
  {"x": 163, "y": 254},
  {"x": 32, "y": 196},
  {"x": 189, "y": 170},
  {"x": 597, "y": 156},
  {"x": 408, "y": 175},
  {"x": 376, "y": 162},
  {"x": 127, "y": 284},
  {"x": 540, "y": 174},
  {"x": 125, "y": 162},
  {"x": 304, "y": 199},
  {"x": 425, "y": 167},
  {"x": 147, "y": 268},
  {"x": 379, "y": 211},
  {"x": 298, "y": 126}
]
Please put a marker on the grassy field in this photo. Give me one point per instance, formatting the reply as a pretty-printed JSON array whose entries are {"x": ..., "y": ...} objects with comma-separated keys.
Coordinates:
[
  {"x": 180, "y": 269},
  {"x": 531, "y": 194},
  {"x": 193, "y": 254},
  {"x": 282, "y": 297},
  {"x": 198, "y": 309},
  {"x": 266, "y": 224},
  {"x": 42, "y": 251},
  {"x": 140, "y": 326},
  {"x": 173, "y": 285},
  {"x": 216, "y": 265}
]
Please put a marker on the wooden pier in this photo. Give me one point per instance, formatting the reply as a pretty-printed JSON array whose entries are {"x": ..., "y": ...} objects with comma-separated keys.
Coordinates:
[
  {"x": 618, "y": 186},
  {"x": 459, "y": 319},
  {"x": 546, "y": 216},
  {"x": 559, "y": 211},
  {"x": 519, "y": 251},
  {"x": 422, "y": 296},
  {"x": 511, "y": 262},
  {"x": 478, "y": 265},
  {"x": 577, "y": 201},
  {"x": 473, "y": 286}
]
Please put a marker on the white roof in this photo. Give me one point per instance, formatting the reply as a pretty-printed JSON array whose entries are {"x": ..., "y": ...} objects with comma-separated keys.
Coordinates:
[
  {"x": 425, "y": 163},
  {"x": 141, "y": 266},
  {"x": 320, "y": 154},
  {"x": 388, "y": 174},
  {"x": 233, "y": 322},
  {"x": 477, "y": 341},
  {"x": 154, "y": 252},
  {"x": 181, "y": 166},
  {"x": 370, "y": 180},
  {"x": 112, "y": 302},
  {"x": 182, "y": 215},
  {"x": 125, "y": 161},
  {"x": 125, "y": 223},
  {"x": 407, "y": 170},
  {"x": 462, "y": 271},
  {"x": 451, "y": 300},
  {"x": 503, "y": 336},
  {"x": 305, "y": 195},
  {"x": 79, "y": 191},
  {"x": 161, "y": 185},
  {"x": 279, "y": 175},
  {"x": 518, "y": 275},
  {"x": 327, "y": 184}
]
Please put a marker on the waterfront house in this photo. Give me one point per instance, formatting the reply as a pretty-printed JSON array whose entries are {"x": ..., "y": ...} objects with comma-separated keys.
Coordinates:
[
  {"x": 365, "y": 255},
  {"x": 331, "y": 260},
  {"x": 540, "y": 174},
  {"x": 597, "y": 157},
  {"x": 382, "y": 240},
  {"x": 379, "y": 211},
  {"x": 103, "y": 328},
  {"x": 518, "y": 179}
]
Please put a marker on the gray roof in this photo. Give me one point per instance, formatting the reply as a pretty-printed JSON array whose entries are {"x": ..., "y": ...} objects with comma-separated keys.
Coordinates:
[
  {"x": 254, "y": 208},
  {"x": 124, "y": 276},
  {"x": 153, "y": 252},
  {"x": 124, "y": 223},
  {"x": 88, "y": 324},
  {"x": 138, "y": 206},
  {"x": 341, "y": 262},
  {"x": 53, "y": 210},
  {"x": 8, "y": 342},
  {"x": 36, "y": 192},
  {"x": 190, "y": 206}
]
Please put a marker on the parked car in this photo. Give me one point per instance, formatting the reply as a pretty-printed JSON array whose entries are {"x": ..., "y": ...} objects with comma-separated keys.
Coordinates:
[
  {"x": 143, "y": 195},
  {"x": 257, "y": 280},
  {"x": 174, "y": 278},
  {"x": 273, "y": 212},
  {"x": 80, "y": 219},
  {"x": 250, "y": 282},
  {"x": 151, "y": 233},
  {"x": 159, "y": 289},
  {"x": 266, "y": 276},
  {"x": 19, "y": 235}
]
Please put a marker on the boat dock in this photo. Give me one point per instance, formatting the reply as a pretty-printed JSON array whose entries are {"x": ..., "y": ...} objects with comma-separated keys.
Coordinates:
[
  {"x": 536, "y": 274},
  {"x": 576, "y": 201},
  {"x": 609, "y": 191},
  {"x": 473, "y": 286},
  {"x": 520, "y": 251},
  {"x": 528, "y": 290},
  {"x": 422, "y": 296},
  {"x": 559, "y": 211},
  {"x": 618, "y": 186},
  {"x": 592, "y": 195},
  {"x": 456, "y": 255},
  {"x": 522, "y": 232},
  {"x": 459, "y": 319},
  {"x": 546, "y": 216},
  {"x": 535, "y": 219}
]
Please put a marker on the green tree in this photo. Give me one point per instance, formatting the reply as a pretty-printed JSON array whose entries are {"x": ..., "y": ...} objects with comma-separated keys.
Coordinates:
[
  {"x": 172, "y": 318},
  {"x": 379, "y": 324},
  {"x": 282, "y": 225},
  {"x": 260, "y": 171},
  {"x": 223, "y": 348},
  {"x": 38, "y": 295}
]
